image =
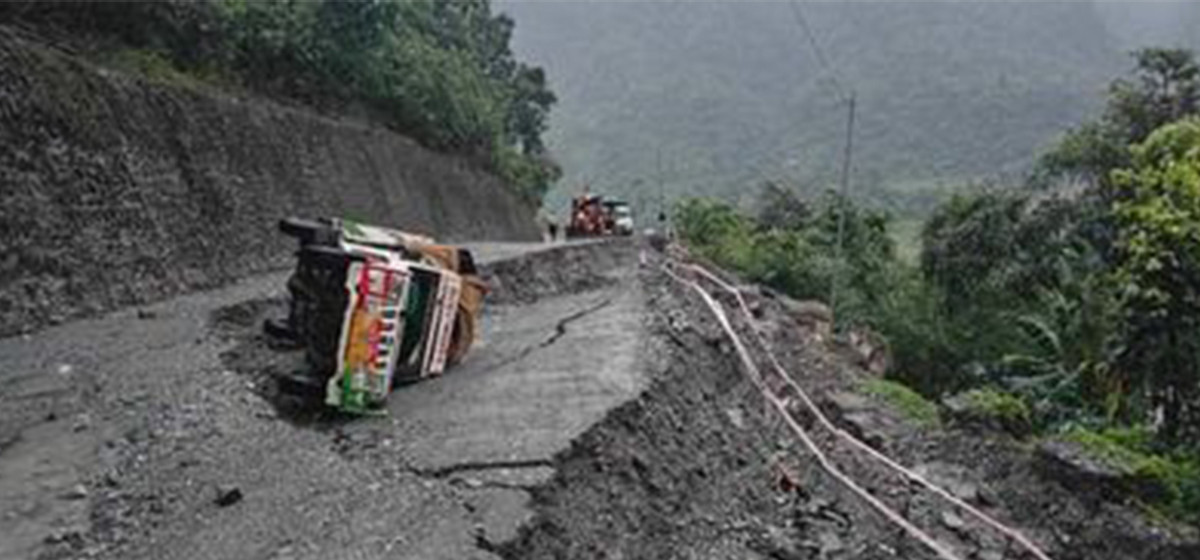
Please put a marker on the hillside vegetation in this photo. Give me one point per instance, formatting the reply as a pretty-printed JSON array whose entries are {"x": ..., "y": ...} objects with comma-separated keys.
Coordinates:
[
  {"x": 442, "y": 72},
  {"x": 732, "y": 95},
  {"x": 1070, "y": 302}
]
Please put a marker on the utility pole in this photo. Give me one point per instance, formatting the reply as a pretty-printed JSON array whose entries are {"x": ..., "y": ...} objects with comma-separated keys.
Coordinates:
[
  {"x": 662, "y": 199},
  {"x": 842, "y": 204}
]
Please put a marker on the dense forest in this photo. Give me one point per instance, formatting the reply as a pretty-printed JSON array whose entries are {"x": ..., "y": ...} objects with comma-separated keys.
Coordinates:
[
  {"x": 1067, "y": 303},
  {"x": 732, "y": 95},
  {"x": 441, "y": 72}
]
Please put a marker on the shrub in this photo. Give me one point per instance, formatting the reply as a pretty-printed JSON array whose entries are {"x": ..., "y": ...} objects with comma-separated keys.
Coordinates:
[
  {"x": 1174, "y": 475},
  {"x": 441, "y": 72},
  {"x": 905, "y": 400},
  {"x": 1006, "y": 410}
]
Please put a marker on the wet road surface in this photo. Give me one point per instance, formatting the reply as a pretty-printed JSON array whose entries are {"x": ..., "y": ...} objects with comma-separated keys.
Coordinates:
[{"x": 119, "y": 435}]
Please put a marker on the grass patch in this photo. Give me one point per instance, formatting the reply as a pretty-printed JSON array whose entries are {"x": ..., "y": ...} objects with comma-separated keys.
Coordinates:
[
  {"x": 1008, "y": 409},
  {"x": 158, "y": 68},
  {"x": 910, "y": 403},
  {"x": 1174, "y": 476}
]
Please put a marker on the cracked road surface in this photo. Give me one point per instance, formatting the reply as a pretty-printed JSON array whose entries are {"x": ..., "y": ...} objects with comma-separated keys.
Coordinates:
[
  {"x": 559, "y": 366},
  {"x": 118, "y": 435}
]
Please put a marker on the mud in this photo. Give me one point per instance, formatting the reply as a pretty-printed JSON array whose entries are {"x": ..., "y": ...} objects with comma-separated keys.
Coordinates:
[
  {"x": 603, "y": 415},
  {"x": 694, "y": 468},
  {"x": 697, "y": 468},
  {"x": 122, "y": 433}
]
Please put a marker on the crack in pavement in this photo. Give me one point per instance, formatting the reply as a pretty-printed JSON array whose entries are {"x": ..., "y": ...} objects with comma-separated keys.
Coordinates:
[
  {"x": 492, "y": 484},
  {"x": 474, "y": 466},
  {"x": 560, "y": 330}
]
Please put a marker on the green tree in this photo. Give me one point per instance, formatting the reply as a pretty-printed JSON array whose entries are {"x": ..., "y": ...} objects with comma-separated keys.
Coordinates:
[
  {"x": 1160, "y": 271},
  {"x": 780, "y": 208},
  {"x": 1164, "y": 88},
  {"x": 440, "y": 71},
  {"x": 968, "y": 245}
]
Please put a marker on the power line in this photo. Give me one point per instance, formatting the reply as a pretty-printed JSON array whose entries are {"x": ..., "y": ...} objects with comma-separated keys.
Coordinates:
[
  {"x": 798, "y": 16},
  {"x": 850, "y": 99},
  {"x": 843, "y": 203}
]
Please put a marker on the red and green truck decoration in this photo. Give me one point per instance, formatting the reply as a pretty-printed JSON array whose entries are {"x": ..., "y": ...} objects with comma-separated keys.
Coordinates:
[{"x": 375, "y": 307}]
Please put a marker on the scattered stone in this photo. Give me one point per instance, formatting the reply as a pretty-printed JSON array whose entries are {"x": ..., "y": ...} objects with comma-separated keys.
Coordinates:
[
  {"x": 814, "y": 318},
  {"x": 965, "y": 491},
  {"x": 1069, "y": 464},
  {"x": 873, "y": 429},
  {"x": 82, "y": 422},
  {"x": 76, "y": 492},
  {"x": 755, "y": 306},
  {"x": 284, "y": 552},
  {"x": 736, "y": 418},
  {"x": 845, "y": 402},
  {"x": 830, "y": 542},
  {"x": 871, "y": 349},
  {"x": 65, "y": 536},
  {"x": 953, "y": 479},
  {"x": 776, "y": 544},
  {"x": 65, "y": 369},
  {"x": 953, "y": 521},
  {"x": 228, "y": 495}
]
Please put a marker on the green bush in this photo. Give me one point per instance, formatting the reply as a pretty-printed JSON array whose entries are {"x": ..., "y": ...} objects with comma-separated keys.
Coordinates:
[
  {"x": 905, "y": 400},
  {"x": 997, "y": 407},
  {"x": 1175, "y": 474},
  {"x": 998, "y": 404}
]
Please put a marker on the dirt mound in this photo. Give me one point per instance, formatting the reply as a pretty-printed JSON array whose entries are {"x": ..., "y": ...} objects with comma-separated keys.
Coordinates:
[{"x": 566, "y": 269}]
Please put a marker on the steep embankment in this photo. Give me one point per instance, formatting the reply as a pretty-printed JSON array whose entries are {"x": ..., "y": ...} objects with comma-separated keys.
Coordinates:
[
  {"x": 116, "y": 191},
  {"x": 701, "y": 466}
]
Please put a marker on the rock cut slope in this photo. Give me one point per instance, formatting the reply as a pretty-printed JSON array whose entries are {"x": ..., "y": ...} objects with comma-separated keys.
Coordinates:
[{"x": 119, "y": 191}]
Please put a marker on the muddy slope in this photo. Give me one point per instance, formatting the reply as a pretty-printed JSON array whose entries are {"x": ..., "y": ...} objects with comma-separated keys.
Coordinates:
[
  {"x": 692, "y": 468},
  {"x": 696, "y": 468},
  {"x": 117, "y": 191}
]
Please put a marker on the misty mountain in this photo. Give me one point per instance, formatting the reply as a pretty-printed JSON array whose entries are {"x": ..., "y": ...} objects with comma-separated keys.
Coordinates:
[{"x": 731, "y": 94}]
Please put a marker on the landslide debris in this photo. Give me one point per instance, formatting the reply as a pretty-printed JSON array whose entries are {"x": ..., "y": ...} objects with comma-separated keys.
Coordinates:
[{"x": 697, "y": 467}]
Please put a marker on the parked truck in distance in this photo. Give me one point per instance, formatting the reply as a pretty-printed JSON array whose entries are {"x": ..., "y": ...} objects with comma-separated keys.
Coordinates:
[{"x": 595, "y": 216}]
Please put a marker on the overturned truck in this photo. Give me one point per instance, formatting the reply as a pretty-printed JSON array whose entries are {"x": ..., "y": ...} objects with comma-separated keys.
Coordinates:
[{"x": 374, "y": 307}]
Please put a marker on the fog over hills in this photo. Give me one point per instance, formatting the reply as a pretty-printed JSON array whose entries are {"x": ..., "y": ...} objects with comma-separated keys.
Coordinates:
[{"x": 731, "y": 94}]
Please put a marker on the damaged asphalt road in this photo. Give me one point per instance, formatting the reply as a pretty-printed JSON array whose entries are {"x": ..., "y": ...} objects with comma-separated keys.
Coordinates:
[
  {"x": 604, "y": 414},
  {"x": 153, "y": 433}
]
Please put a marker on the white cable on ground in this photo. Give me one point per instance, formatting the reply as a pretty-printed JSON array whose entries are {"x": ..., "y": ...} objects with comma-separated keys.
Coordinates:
[
  {"x": 756, "y": 376},
  {"x": 857, "y": 443}
]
